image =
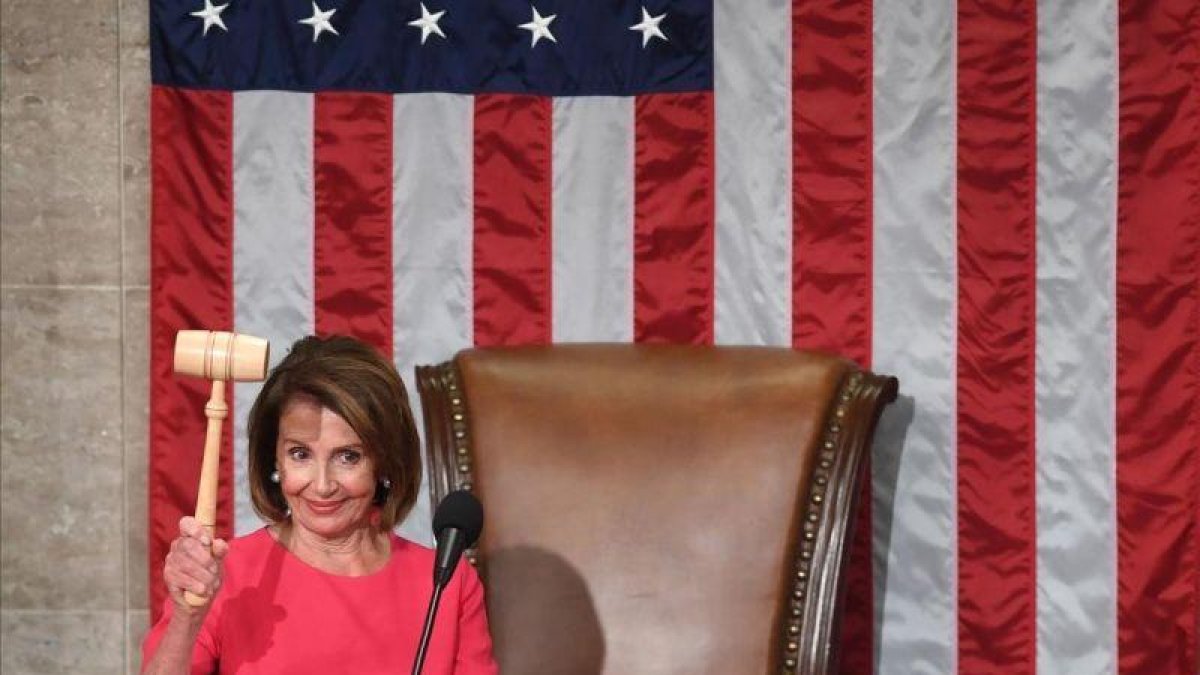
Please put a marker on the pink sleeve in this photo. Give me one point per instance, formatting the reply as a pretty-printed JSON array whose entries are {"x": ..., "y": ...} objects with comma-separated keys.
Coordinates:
[
  {"x": 204, "y": 655},
  {"x": 474, "y": 640}
]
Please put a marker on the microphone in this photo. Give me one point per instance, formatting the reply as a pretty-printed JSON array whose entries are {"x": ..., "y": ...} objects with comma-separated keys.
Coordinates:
[{"x": 456, "y": 524}]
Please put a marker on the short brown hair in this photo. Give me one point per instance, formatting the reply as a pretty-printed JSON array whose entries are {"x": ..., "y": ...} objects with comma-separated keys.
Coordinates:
[{"x": 351, "y": 379}]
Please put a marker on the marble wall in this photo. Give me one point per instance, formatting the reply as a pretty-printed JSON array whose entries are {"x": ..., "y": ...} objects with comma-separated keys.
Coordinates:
[{"x": 74, "y": 280}]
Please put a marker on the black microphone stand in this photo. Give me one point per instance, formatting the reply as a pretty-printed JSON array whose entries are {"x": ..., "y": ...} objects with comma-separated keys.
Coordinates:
[
  {"x": 457, "y": 523},
  {"x": 427, "y": 631},
  {"x": 450, "y": 546}
]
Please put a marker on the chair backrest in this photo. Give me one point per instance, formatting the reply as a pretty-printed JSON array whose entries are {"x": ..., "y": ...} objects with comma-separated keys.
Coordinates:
[{"x": 656, "y": 509}]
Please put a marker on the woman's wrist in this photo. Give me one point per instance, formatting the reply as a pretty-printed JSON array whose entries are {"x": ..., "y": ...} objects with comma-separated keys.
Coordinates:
[{"x": 186, "y": 621}]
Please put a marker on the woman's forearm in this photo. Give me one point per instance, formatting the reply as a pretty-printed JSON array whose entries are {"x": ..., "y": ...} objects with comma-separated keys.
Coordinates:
[{"x": 174, "y": 653}]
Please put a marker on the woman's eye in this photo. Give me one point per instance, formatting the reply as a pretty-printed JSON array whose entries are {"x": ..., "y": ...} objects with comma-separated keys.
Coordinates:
[
  {"x": 298, "y": 453},
  {"x": 349, "y": 456}
]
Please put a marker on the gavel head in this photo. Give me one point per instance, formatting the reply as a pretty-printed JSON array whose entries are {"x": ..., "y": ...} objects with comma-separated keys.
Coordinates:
[{"x": 217, "y": 355}]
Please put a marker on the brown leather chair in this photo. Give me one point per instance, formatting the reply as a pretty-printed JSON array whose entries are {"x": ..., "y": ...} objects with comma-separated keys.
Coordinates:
[{"x": 656, "y": 509}]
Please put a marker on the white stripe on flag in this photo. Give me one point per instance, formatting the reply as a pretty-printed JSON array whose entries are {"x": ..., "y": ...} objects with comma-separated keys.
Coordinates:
[
  {"x": 753, "y": 239},
  {"x": 272, "y": 244},
  {"x": 1076, "y": 379},
  {"x": 432, "y": 224},
  {"x": 592, "y": 219},
  {"x": 914, "y": 328}
]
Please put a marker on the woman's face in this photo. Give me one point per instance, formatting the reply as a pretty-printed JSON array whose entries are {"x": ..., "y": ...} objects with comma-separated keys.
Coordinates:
[{"x": 327, "y": 478}]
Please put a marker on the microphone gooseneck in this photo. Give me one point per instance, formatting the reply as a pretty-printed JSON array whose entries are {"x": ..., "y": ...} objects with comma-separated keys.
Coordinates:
[{"x": 456, "y": 524}]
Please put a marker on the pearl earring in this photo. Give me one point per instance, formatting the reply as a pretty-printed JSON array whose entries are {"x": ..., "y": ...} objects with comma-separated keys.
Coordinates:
[
  {"x": 275, "y": 476},
  {"x": 386, "y": 482}
]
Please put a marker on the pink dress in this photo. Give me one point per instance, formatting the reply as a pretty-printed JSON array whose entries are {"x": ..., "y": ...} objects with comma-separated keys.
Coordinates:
[{"x": 276, "y": 614}]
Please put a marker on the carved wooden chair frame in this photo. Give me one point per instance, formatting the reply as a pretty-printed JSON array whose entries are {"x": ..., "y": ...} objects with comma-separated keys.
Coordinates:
[{"x": 821, "y": 546}]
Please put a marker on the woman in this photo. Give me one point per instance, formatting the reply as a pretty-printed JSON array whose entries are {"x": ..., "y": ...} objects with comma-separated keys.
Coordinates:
[{"x": 326, "y": 587}]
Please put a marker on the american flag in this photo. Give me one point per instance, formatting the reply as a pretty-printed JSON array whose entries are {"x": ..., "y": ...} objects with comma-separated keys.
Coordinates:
[{"x": 997, "y": 201}]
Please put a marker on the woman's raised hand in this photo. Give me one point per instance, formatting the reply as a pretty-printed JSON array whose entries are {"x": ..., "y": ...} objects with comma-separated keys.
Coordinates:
[{"x": 194, "y": 565}]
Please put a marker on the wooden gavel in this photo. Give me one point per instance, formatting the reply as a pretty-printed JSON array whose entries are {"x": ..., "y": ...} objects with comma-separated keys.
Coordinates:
[{"x": 216, "y": 356}]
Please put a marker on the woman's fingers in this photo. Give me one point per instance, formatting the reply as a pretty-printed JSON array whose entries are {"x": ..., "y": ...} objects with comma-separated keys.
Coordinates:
[
  {"x": 200, "y": 583},
  {"x": 191, "y": 528},
  {"x": 194, "y": 561},
  {"x": 200, "y": 565},
  {"x": 196, "y": 550},
  {"x": 183, "y": 578}
]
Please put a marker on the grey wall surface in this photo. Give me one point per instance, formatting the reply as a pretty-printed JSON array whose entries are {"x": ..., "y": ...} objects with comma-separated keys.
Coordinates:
[{"x": 74, "y": 283}]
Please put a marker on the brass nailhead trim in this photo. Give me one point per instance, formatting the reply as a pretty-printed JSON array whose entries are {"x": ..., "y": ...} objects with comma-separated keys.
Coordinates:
[
  {"x": 462, "y": 444},
  {"x": 458, "y": 414},
  {"x": 820, "y": 479}
]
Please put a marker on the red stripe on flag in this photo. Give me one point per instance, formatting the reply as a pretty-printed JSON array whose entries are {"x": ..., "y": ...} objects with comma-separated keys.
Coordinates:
[
  {"x": 191, "y": 281},
  {"x": 831, "y": 178},
  {"x": 352, "y": 169},
  {"x": 1158, "y": 338},
  {"x": 673, "y": 218},
  {"x": 831, "y": 252},
  {"x": 512, "y": 254},
  {"x": 997, "y": 162}
]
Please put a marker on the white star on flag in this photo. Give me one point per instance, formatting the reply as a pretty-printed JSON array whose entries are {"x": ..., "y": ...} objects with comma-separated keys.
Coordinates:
[
  {"x": 212, "y": 16},
  {"x": 649, "y": 27},
  {"x": 428, "y": 23},
  {"x": 539, "y": 27},
  {"x": 320, "y": 22}
]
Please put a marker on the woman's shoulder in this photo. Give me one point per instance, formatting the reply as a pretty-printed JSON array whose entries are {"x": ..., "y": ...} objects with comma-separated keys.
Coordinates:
[
  {"x": 411, "y": 558},
  {"x": 409, "y": 551},
  {"x": 259, "y": 539},
  {"x": 249, "y": 550}
]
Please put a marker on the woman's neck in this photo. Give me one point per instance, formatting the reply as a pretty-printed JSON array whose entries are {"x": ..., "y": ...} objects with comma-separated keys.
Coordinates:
[{"x": 358, "y": 553}]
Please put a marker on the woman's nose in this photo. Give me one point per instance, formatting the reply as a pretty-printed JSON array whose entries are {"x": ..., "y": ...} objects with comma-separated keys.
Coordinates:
[{"x": 326, "y": 485}]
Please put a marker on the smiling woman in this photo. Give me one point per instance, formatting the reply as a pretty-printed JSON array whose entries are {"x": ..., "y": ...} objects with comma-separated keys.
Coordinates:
[
  {"x": 327, "y": 480},
  {"x": 326, "y": 587},
  {"x": 349, "y": 380}
]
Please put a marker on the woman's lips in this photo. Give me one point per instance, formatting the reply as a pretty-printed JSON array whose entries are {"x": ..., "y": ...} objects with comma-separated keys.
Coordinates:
[{"x": 324, "y": 507}]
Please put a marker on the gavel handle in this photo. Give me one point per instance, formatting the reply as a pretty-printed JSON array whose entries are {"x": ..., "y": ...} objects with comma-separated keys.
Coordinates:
[{"x": 216, "y": 411}]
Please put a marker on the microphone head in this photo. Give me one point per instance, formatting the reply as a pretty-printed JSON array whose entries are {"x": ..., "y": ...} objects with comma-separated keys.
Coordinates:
[{"x": 462, "y": 511}]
